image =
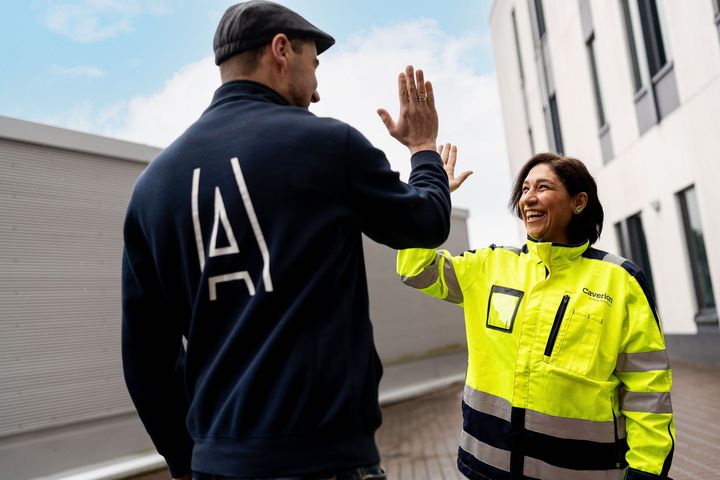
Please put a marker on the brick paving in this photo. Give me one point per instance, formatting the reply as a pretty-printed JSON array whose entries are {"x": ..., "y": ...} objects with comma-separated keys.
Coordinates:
[{"x": 418, "y": 439}]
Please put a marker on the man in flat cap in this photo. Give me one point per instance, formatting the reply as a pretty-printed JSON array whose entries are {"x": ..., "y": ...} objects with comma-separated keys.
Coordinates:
[{"x": 243, "y": 237}]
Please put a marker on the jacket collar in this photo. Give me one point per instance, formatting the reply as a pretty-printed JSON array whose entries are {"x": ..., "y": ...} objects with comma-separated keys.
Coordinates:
[
  {"x": 245, "y": 89},
  {"x": 555, "y": 253}
]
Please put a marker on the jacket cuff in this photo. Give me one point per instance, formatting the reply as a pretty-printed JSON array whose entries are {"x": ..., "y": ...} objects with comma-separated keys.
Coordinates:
[
  {"x": 425, "y": 157},
  {"x": 632, "y": 474}
]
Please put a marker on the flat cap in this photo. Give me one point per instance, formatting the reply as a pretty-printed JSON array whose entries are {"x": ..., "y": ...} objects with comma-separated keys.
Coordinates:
[{"x": 249, "y": 25}]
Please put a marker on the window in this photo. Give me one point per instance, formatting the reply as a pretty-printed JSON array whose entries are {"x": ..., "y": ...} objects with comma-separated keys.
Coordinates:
[
  {"x": 596, "y": 83},
  {"x": 545, "y": 78},
  {"x": 654, "y": 44},
  {"x": 705, "y": 299},
  {"x": 518, "y": 53},
  {"x": 540, "y": 19},
  {"x": 555, "y": 118},
  {"x": 630, "y": 33},
  {"x": 588, "y": 31},
  {"x": 652, "y": 71},
  {"x": 631, "y": 238},
  {"x": 716, "y": 7}
]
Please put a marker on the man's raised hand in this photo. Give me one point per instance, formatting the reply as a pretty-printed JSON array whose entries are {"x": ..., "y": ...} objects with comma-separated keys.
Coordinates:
[{"x": 417, "y": 124}]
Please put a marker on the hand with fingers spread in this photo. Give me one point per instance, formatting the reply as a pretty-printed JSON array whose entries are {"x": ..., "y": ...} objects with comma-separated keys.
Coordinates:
[
  {"x": 448, "y": 153},
  {"x": 417, "y": 124}
]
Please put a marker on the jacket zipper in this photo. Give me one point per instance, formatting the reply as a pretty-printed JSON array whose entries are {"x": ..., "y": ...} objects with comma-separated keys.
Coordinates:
[{"x": 556, "y": 325}]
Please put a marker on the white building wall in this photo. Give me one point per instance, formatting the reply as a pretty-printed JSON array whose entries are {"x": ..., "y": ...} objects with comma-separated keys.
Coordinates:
[{"x": 647, "y": 170}]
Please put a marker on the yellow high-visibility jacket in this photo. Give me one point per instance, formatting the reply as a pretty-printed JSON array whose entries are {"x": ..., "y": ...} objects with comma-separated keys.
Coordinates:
[{"x": 567, "y": 376}]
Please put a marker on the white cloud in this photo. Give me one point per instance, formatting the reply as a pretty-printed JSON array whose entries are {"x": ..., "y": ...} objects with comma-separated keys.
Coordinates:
[
  {"x": 159, "y": 118},
  {"x": 92, "y": 20},
  {"x": 354, "y": 80},
  {"x": 79, "y": 71}
]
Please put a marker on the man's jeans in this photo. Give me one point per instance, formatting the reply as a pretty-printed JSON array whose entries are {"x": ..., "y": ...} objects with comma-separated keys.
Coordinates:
[{"x": 373, "y": 472}]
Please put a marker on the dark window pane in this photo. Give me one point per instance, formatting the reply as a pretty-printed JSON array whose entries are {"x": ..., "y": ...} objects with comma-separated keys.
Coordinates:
[
  {"x": 637, "y": 80},
  {"x": 716, "y": 6},
  {"x": 696, "y": 249},
  {"x": 631, "y": 237},
  {"x": 621, "y": 234},
  {"x": 654, "y": 47},
  {"x": 540, "y": 18},
  {"x": 596, "y": 82},
  {"x": 555, "y": 117}
]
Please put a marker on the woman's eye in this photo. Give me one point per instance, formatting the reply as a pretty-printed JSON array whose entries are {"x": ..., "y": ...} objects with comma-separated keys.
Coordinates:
[
  {"x": 542, "y": 187},
  {"x": 525, "y": 189}
]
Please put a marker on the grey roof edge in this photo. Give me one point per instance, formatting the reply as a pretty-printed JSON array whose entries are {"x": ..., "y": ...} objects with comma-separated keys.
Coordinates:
[
  {"x": 46, "y": 135},
  {"x": 458, "y": 212}
]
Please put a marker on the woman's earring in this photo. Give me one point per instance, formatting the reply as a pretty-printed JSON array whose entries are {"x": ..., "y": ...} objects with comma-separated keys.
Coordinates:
[{"x": 578, "y": 210}]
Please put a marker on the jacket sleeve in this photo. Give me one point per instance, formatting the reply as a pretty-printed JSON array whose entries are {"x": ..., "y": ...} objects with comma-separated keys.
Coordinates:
[
  {"x": 643, "y": 368},
  {"x": 152, "y": 354},
  {"x": 439, "y": 274},
  {"x": 390, "y": 211}
]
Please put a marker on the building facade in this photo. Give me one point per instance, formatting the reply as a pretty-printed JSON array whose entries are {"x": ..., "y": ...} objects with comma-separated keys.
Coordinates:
[
  {"x": 632, "y": 88},
  {"x": 63, "y": 402}
]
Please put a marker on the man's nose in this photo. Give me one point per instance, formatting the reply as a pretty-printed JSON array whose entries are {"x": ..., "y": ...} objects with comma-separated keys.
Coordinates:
[{"x": 315, "y": 97}]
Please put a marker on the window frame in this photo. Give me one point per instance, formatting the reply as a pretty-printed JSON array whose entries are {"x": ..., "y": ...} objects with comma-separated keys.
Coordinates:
[
  {"x": 632, "y": 240},
  {"x": 706, "y": 315},
  {"x": 655, "y": 88}
]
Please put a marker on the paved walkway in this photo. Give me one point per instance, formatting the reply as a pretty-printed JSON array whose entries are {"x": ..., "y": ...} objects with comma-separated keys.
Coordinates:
[{"x": 418, "y": 439}]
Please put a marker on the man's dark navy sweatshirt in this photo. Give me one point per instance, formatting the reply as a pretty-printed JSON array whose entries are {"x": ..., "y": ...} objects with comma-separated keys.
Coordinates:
[{"x": 244, "y": 237}]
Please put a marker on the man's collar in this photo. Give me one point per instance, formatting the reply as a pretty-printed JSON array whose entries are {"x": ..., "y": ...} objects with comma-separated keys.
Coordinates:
[{"x": 238, "y": 89}]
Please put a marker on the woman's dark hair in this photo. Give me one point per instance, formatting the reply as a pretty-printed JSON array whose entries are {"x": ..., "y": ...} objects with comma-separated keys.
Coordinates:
[{"x": 576, "y": 178}]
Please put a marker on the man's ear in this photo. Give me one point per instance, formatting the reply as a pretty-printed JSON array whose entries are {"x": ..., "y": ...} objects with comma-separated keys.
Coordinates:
[{"x": 280, "y": 47}]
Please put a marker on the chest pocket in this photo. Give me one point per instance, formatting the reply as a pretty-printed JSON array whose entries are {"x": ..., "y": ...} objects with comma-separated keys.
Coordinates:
[
  {"x": 573, "y": 340},
  {"x": 503, "y": 305}
]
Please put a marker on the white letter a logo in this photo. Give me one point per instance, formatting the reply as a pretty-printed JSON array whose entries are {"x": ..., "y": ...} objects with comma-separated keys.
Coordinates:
[{"x": 221, "y": 216}]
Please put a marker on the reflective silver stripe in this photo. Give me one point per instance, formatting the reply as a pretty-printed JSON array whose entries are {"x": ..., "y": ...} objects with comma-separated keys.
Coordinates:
[
  {"x": 621, "y": 432},
  {"x": 649, "y": 402},
  {"x": 538, "y": 469},
  {"x": 614, "y": 259},
  {"x": 425, "y": 278},
  {"x": 454, "y": 292},
  {"x": 495, "y": 457},
  {"x": 642, "y": 362},
  {"x": 486, "y": 403},
  {"x": 570, "y": 428}
]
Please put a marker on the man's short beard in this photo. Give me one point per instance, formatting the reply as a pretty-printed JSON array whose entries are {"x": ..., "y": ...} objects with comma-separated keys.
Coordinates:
[{"x": 296, "y": 99}]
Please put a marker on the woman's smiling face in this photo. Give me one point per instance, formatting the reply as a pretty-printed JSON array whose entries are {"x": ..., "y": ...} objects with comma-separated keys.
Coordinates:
[{"x": 546, "y": 206}]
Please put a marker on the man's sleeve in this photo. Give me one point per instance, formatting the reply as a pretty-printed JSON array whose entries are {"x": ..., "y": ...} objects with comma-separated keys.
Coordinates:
[
  {"x": 437, "y": 273},
  {"x": 643, "y": 368},
  {"x": 152, "y": 354},
  {"x": 391, "y": 212}
]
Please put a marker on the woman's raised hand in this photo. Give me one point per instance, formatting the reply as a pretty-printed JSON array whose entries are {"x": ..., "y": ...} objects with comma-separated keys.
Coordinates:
[{"x": 448, "y": 153}]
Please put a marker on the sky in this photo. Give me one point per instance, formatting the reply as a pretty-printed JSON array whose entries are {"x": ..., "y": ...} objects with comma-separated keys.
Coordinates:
[{"x": 143, "y": 71}]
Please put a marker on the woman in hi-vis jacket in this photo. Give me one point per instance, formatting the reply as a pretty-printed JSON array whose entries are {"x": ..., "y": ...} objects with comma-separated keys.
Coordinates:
[{"x": 567, "y": 376}]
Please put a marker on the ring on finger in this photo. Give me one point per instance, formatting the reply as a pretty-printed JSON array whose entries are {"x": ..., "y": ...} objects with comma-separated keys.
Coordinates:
[{"x": 422, "y": 98}]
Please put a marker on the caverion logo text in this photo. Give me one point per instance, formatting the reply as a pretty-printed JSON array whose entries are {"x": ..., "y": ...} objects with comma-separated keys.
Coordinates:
[{"x": 600, "y": 296}]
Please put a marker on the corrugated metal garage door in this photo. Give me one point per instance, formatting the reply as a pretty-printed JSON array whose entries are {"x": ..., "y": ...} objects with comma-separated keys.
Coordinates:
[{"x": 61, "y": 216}]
